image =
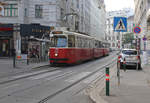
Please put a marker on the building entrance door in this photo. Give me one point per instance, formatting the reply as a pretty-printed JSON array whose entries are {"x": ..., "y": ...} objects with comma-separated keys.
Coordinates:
[{"x": 4, "y": 47}]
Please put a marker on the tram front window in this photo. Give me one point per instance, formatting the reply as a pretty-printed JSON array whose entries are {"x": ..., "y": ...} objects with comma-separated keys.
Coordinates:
[{"x": 59, "y": 41}]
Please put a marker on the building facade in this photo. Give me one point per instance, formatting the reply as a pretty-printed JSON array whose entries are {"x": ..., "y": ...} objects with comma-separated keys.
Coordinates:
[
  {"x": 142, "y": 19},
  {"x": 84, "y": 16},
  {"x": 115, "y": 38},
  {"x": 130, "y": 24}
]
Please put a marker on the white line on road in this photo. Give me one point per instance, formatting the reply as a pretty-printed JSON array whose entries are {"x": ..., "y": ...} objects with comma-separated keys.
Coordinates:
[
  {"x": 44, "y": 75},
  {"x": 28, "y": 74},
  {"x": 14, "y": 85},
  {"x": 59, "y": 76},
  {"x": 93, "y": 77},
  {"x": 77, "y": 77}
]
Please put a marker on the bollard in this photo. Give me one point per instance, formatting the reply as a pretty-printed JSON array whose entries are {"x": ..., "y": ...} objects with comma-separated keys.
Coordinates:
[
  {"x": 27, "y": 60},
  {"x": 118, "y": 75},
  {"x": 107, "y": 81},
  {"x": 14, "y": 61},
  {"x": 124, "y": 65}
]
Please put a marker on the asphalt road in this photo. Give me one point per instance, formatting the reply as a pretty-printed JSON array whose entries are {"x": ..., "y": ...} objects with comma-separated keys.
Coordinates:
[{"x": 63, "y": 85}]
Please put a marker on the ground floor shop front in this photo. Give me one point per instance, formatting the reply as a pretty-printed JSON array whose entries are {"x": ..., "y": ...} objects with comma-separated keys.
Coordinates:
[
  {"x": 9, "y": 41},
  {"x": 6, "y": 47}
]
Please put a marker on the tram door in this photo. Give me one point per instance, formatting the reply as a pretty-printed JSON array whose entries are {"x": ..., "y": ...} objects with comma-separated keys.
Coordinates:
[{"x": 4, "y": 47}]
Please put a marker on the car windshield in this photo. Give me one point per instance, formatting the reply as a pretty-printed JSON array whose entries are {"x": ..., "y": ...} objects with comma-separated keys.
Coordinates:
[{"x": 129, "y": 52}]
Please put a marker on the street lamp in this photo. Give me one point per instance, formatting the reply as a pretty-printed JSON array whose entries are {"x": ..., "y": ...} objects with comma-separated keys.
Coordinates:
[{"x": 17, "y": 38}]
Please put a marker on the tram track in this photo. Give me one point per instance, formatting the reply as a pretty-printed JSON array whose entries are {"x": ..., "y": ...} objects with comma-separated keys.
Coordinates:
[
  {"x": 76, "y": 82},
  {"x": 19, "y": 77},
  {"x": 57, "y": 77},
  {"x": 27, "y": 76}
]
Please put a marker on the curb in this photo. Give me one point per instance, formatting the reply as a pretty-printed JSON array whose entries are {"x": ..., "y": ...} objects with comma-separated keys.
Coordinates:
[
  {"x": 40, "y": 66},
  {"x": 93, "y": 91}
]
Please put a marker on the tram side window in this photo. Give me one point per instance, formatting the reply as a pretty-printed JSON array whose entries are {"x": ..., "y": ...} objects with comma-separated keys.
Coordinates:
[
  {"x": 78, "y": 42},
  {"x": 85, "y": 43},
  {"x": 71, "y": 41}
]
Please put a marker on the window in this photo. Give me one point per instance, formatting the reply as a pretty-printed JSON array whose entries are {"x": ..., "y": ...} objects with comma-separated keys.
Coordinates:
[
  {"x": 129, "y": 52},
  {"x": 71, "y": 41},
  {"x": 11, "y": 10},
  {"x": 38, "y": 11},
  {"x": 77, "y": 3},
  {"x": 62, "y": 13},
  {"x": 25, "y": 12}
]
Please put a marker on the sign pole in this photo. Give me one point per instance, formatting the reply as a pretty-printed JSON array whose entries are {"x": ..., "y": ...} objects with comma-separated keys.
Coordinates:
[{"x": 137, "y": 31}]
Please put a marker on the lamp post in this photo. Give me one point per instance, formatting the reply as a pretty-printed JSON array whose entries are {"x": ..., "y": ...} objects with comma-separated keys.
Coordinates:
[{"x": 17, "y": 39}]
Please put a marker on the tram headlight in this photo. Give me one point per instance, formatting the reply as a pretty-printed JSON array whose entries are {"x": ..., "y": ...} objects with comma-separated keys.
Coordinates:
[{"x": 56, "y": 55}]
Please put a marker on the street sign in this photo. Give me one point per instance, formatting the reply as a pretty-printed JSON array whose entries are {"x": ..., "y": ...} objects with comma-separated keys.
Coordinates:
[
  {"x": 137, "y": 29},
  {"x": 120, "y": 24},
  {"x": 144, "y": 38}
]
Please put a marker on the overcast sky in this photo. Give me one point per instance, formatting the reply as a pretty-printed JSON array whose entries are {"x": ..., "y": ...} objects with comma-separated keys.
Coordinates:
[{"x": 112, "y": 5}]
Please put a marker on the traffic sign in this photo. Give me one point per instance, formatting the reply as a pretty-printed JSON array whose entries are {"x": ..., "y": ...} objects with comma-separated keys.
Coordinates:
[
  {"x": 120, "y": 24},
  {"x": 137, "y": 29},
  {"x": 144, "y": 38}
]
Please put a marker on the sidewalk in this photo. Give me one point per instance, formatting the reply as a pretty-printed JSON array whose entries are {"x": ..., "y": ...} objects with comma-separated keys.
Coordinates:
[
  {"x": 134, "y": 87},
  {"x": 6, "y": 67}
]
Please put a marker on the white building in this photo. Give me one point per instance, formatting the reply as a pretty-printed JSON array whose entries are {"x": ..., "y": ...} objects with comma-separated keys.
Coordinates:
[
  {"x": 98, "y": 19},
  {"x": 142, "y": 19},
  {"x": 84, "y": 16},
  {"x": 91, "y": 17},
  {"x": 130, "y": 23},
  {"x": 115, "y": 38}
]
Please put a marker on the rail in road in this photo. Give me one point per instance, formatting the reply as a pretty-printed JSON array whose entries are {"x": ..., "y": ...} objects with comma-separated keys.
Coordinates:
[
  {"x": 78, "y": 81},
  {"x": 23, "y": 76},
  {"x": 59, "y": 90}
]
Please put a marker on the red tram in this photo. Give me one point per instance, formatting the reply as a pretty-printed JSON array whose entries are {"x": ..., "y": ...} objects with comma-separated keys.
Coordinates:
[{"x": 70, "y": 48}]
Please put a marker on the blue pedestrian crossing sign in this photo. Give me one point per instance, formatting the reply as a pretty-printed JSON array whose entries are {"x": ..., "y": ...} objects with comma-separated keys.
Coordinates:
[{"x": 120, "y": 24}]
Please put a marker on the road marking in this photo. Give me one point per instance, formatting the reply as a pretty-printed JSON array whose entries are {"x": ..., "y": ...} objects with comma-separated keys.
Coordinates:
[
  {"x": 77, "y": 77},
  {"x": 14, "y": 85},
  {"x": 93, "y": 77},
  {"x": 28, "y": 74},
  {"x": 44, "y": 75},
  {"x": 59, "y": 76}
]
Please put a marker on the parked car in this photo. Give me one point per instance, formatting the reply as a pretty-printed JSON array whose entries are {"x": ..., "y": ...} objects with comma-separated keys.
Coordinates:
[{"x": 129, "y": 57}]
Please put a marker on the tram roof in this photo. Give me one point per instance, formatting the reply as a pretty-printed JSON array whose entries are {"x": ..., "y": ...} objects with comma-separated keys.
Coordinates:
[{"x": 74, "y": 33}]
